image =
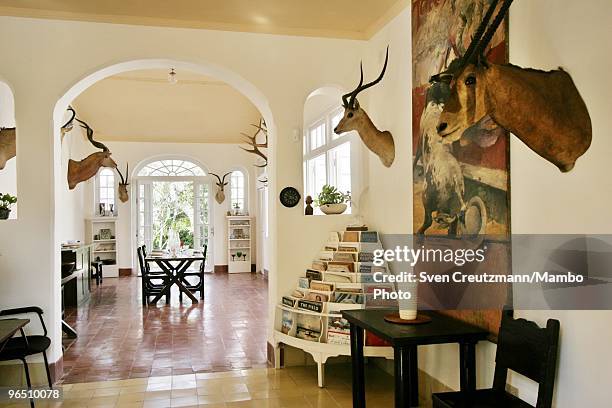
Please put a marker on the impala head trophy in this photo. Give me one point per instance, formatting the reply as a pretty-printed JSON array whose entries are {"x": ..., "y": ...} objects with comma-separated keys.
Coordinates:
[
  {"x": 542, "y": 108},
  {"x": 355, "y": 118},
  {"x": 123, "y": 184},
  {"x": 85, "y": 169},
  {"x": 221, "y": 183}
]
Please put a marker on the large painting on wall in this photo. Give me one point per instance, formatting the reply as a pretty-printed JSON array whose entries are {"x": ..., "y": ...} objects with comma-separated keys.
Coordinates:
[{"x": 463, "y": 185}]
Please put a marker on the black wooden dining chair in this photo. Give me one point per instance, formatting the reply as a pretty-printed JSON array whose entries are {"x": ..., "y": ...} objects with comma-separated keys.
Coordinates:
[
  {"x": 19, "y": 348},
  {"x": 198, "y": 286},
  {"x": 152, "y": 283},
  {"x": 522, "y": 347}
]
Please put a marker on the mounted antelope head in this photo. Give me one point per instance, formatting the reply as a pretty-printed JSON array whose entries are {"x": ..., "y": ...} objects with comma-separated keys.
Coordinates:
[
  {"x": 85, "y": 169},
  {"x": 69, "y": 124},
  {"x": 8, "y": 145},
  {"x": 123, "y": 184},
  {"x": 221, "y": 183},
  {"x": 252, "y": 141},
  {"x": 355, "y": 118},
  {"x": 543, "y": 109}
]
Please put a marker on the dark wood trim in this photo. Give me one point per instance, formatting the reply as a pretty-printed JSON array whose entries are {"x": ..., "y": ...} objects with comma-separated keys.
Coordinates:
[
  {"x": 57, "y": 370},
  {"x": 253, "y": 268},
  {"x": 221, "y": 269},
  {"x": 125, "y": 272}
]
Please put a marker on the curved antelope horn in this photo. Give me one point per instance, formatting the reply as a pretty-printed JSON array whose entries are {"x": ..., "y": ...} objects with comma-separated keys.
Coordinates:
[
  {"x": 486, "y": 38},
  {"x": 225, "y": 175},
  {"x": 127, "y": 174},
  {"x": 69, "y": 122},
  {"x": 345, "y": 98},
  {"x": 217, "y": 176},
  {"x": 90, "y": 132},
  {"x": 361, "y": 87}
]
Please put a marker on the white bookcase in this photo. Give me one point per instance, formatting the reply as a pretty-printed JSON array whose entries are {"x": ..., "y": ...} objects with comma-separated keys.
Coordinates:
[
  {"x": 101, "y": 232},
  {"x": 239, "y": 243}
]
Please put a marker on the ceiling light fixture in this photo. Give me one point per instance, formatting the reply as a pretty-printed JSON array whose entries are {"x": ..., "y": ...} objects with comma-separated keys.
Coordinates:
[{"x": 172, "y": 76}]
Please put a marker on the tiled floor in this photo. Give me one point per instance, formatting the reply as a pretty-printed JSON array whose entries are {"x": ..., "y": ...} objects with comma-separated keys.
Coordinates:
[
  {"x": 289, "y": 387},
  {"x": 120, "y": 339}
]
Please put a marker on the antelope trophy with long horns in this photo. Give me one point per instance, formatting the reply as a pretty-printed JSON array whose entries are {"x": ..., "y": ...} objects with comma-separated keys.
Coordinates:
[
  {"x": 221, "y": 183},
  {"x": 252, "y": 141},
  {"x": 542, "y": 108},
  {"x": 8, "y": 140},
  {"x": 355, "y": 118},
  {"x": 85, "y": 169},
  {"x": 123, "y": 184}
]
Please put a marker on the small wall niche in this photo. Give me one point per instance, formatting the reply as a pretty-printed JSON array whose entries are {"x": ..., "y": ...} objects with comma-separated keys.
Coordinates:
[{"x": 8, "y": 134}]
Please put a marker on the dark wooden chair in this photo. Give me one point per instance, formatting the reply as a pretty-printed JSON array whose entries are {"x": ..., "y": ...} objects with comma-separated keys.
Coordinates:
[
  {"x": 523, "y": 347},
  {"x": 19, "y": 348},
  {"x": 152, "y": 283},
  {"x": 198, "y": 273}
]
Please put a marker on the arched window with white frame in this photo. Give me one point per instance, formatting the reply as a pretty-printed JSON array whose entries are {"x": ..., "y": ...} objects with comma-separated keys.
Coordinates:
[
  {"x": 105, "y": 191},
  {"x": 238, "y": 192}
]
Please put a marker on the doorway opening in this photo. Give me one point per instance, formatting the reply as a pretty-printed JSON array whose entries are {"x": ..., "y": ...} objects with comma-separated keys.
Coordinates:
[{"x": 174, "y": 208}]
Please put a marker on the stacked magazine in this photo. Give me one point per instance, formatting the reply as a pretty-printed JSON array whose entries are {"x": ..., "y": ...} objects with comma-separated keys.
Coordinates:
[{"x": 341, "y": 278}]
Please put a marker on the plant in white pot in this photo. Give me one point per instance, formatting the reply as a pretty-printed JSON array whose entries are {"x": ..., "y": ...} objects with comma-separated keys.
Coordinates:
[
  {"x": 332, "y": 201},
  {"x": 6, "y": 201}
]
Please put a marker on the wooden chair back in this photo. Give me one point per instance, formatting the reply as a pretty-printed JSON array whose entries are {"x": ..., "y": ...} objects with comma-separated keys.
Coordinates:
[{"x": 526, "y": 348}]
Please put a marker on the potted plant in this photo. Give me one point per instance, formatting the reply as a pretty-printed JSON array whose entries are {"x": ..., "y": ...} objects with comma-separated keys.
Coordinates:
[
  {"x": 332, "y": 201},
  {"x": 6, "y": 201}
]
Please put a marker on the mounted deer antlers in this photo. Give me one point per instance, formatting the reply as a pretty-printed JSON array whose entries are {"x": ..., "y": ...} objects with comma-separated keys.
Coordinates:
[
  {"x": 355, "y": 118},
  {"x": 252, "y": 141},
  {"x": 85, "y": 169},
  {"x": 220, "y": 194},
  {"x": 122, "y": 189}
]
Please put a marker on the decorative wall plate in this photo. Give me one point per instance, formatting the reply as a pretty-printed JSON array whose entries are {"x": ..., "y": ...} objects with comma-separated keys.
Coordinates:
[{"x": 290, "y": 197}]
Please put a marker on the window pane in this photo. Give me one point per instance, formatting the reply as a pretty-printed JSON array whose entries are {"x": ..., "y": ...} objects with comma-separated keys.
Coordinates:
[
  {"x": 317, "y": 136},
  {"x": 238, "y": 191},
  {"x": 317, "y": 175},
  {"x": 341, "y": 167}
]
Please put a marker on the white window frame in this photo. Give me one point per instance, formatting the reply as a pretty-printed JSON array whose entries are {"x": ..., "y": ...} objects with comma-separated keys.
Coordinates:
[
  {"x": 97, "y": 190},
  {"x": 331, "y": 142},
  {"x": 245, "y": 191}
]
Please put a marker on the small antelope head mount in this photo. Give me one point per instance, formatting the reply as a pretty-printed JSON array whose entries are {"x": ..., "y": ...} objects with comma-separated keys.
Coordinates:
[
  {"x": 85, "y": 169},
  {"x": 123, "y": 184},
  {"x": 67, "y": 127},
  {"x": 221, "y": 183},
  {"x": 252, "y": 141},
  {"x": 355, "y": 118}
]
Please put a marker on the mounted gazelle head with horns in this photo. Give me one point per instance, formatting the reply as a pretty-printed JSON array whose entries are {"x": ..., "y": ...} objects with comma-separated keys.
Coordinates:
[
  {"x": 543, "y": 109},
  {"x": 355, "y": 118},
  {"x": 123, "y": 184},
  {"x": 85, "y": 169},
  {"x": 221, "y": 183}
]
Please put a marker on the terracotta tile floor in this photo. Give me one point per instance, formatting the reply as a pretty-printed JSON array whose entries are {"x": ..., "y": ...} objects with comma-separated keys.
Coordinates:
[
  {"x": 289, "y": 387},
  {"x": 120, "y": 339}
]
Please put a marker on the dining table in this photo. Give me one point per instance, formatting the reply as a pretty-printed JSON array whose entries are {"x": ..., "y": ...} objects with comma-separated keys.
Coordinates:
[{"x": 175, "y": 266}]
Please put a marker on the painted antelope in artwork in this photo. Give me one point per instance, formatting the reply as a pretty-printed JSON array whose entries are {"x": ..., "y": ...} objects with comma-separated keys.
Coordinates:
[
  {"x": 542, "y": 108},
  {"x": 8, "y": 139},
  {"x": 355, "y": 118},
  {"x": 85, "y": 169},
  {"x": 123, "y": 184},
  {"x": 221, "y": 183}
]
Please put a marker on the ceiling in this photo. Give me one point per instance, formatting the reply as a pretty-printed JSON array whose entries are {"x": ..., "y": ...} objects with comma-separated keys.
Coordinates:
[
  {"x": 357, "y": 19},
  {"x": 142, "y": 106}
]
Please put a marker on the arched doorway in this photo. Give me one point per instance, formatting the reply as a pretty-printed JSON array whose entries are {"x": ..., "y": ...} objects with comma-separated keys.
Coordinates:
[{"x": 173, "y": 194}]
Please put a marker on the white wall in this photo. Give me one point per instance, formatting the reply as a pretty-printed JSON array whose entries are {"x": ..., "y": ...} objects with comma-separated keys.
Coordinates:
[
  {"x": 276, "y": 72},
  {"x": 217, "y": 158},
  {"x": 544, "y": 34}
]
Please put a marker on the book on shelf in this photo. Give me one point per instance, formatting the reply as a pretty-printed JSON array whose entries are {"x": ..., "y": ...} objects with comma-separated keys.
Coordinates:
[
  {"x": 289, "y": 301},
  {"x": 338, "y": 328},
  {"x": 339, "y": 277},
  {"x": 318, "y": 296},
  {"x": 326, "y": 255},
  {"x": 369, "y": 236},
  {"x": 350, "y": 236},
  {"x": 308, "y": 327},
  {"x": 287, "y": 321},
  {"x": 310, "y": 305},
  {"x": 304, "y": 283},
  {"x": 318, "y": 266},
  {"x": 366, "y": 257},
  {"x": 349, "y": 297},
  {"x": 344, "y": 257},
  {"x": 298, "y": 294},
  {"x": 337, "y": 266},
  {"x": 311, "y": 274},
  {"x": 322, "y": 286}
]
